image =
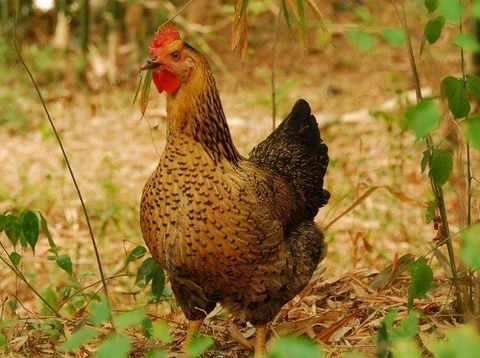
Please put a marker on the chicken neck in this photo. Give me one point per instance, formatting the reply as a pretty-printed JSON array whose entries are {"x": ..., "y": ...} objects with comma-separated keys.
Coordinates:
[{"x": 195, "y": 112}]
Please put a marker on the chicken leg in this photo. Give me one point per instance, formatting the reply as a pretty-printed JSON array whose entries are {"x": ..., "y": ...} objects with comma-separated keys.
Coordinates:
[
  {"x": 260, "y": 336},
  {"x": 193, "y": 326}
]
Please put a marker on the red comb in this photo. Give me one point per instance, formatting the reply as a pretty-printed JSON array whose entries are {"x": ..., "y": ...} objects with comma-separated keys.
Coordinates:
[{"x": 163, "y": 36}]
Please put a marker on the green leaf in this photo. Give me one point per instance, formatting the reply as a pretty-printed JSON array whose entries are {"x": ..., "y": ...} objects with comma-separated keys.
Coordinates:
[
  {"x": 476, "y": 9},
  {"x": 473, "y": 85},
  {"x": 423, "y": 117},
  {"x": 3, "y": 340},
  {"x": 49, "y": 295},
  {"x": 138, "y": 89},
  {"x": 199, "y": 344},
  {"x": 15, "y": 257},
  {"x": 302, "y": 21},
  {"x": 353, "y": 355},
  {"x": 3, "y": 222},
  {"x": 394, "y": 36},
  {"x": 451, "y": 9},
  {"x": 64, "y": 262},
  {"x": 44, "y": 230},
  {"x": 421, "y": 279},
  {"x": 461, "y": 342},
  {"x": 145, "y": 92},
  {"x": 408, "y": 326},
  {"x": 161, "y": 331},
  {"x": 431, "y": 5},
  {"x": 12, "y": 229},
  {"x": 433, "y": 29},
  {"x": 364, "y": 15},
  {"x": 425, "y": 160},
  {"x": 116, "y": 345},
  {"x": 100, "y": 312},
  {"x": 456, "y": 93},
  {"x": 30, "y": 228},
  {"x": 296, "y": 347},
  {"x": 406, "y": 348},
  {"x": 286, "y": 14},
  {"x": 146, "y": 270},
  {"x": 466, "y": 41},
  {"x": 441, "y": 166},
  {"x": 130, "y": 318},
  {"x": 471, "y": 126},
  {"x": 390, "y": 317},
  {"x": 360, "y": 38},
  {"x": 78, "y": 339},
  {"x": 135, "y": 254},
  {"x": 470, "y": 250},
  {"x": 382, "y": 341},
  {"x": 155, "y": 353},
  {"x": 147, "y": 326},
  {"x": 158, "y": 283},
  {"x": 430, "y": 212}
]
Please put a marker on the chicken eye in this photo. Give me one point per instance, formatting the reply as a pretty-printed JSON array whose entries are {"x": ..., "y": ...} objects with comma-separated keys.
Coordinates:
[{"x": 175, "y": 55}]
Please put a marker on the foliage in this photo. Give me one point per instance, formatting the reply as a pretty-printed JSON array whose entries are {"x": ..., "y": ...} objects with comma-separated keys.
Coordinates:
[
  {"x": 470, "y": 251},
  {"x": 462, "y": 342},
  {"x": 421, "y": 279},
  {"x": 423, "y": 117},
  {"x": 199, "y": 344},
  {"x": 295, "y": 347}
]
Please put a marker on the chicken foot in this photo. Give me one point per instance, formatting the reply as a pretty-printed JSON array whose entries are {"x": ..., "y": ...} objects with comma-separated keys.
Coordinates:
[{"x": 260, "y": 337}]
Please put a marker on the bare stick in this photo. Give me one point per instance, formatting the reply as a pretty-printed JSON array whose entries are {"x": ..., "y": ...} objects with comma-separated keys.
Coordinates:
[
  {"x": 72, "y": 175},
  {"x": 177, "y": 13}
]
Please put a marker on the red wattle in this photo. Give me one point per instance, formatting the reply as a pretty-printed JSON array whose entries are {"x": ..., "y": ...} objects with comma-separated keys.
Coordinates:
[{"x": 165, "y": 81}]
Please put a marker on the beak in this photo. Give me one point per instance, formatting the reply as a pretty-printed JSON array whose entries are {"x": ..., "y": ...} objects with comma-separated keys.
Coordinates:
[{"x": 150, "y": 64}]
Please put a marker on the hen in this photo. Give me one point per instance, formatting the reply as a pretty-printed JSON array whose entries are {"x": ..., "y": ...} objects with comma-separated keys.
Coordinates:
[{"x": 228, "y": 229}]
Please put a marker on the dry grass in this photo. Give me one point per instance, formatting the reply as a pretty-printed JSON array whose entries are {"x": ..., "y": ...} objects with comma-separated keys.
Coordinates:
[{"x": 110, "y": 147}]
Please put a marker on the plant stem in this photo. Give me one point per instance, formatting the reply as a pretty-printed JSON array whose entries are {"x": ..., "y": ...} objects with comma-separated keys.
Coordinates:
[
  {"x": 437, "y": 190},
  {"x": 20, "y": 275},
  {"x": 469, "y": 166},
  {"x": 470, "y": 272},
  {"x": 72, "y": 175}
]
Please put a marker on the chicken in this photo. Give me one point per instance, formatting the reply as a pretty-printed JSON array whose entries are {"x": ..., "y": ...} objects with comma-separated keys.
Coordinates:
[{"x": 228, "y": 229}]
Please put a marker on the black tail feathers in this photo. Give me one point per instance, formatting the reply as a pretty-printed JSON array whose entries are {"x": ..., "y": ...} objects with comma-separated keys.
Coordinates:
[{"x": 295, "y": 151}]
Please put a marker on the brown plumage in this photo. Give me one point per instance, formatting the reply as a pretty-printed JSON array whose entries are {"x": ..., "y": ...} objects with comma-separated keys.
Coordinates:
[{"x": 228, "y": 229}]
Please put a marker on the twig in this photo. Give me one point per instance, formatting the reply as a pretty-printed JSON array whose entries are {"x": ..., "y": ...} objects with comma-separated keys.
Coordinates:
[
  {"x": 273, "y": 67},
  {"x": 177, "y": 13},
  {"x": 72, "y": 175},
  {"x": 87, "y": 287}
]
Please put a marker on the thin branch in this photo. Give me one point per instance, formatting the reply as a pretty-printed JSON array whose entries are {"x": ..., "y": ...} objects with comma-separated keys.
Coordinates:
[
  {"x": 178, "y": 12},
  {"x": 108, "y": 279},
  {"x": 57, "y": 136}
]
